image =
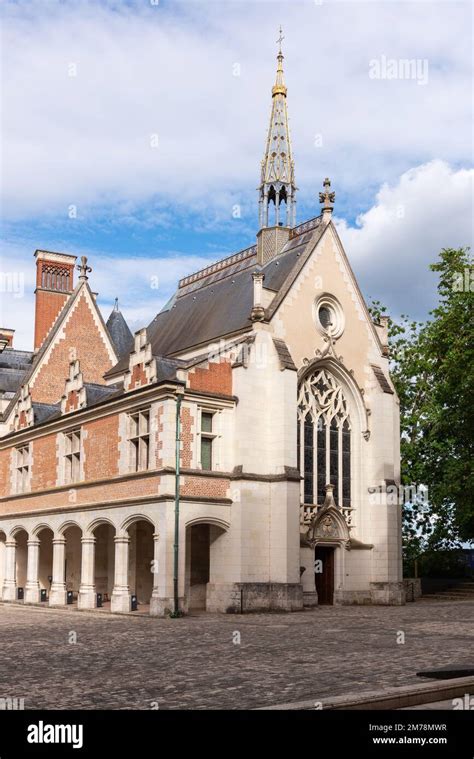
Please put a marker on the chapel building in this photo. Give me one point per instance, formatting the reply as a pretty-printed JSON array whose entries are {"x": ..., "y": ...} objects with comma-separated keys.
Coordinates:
[{"x": 232, "y": 456}]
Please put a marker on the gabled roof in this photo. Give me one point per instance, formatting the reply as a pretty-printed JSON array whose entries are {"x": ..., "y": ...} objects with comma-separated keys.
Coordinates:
[
  {"x": 216, "y": 302},
  {"x": 37, "y": 358}
]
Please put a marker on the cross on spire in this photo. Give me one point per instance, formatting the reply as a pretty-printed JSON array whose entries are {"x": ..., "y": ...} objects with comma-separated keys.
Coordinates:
[
  {"x": 280, "y": 39},
  {"x": 83, "y": 269}
]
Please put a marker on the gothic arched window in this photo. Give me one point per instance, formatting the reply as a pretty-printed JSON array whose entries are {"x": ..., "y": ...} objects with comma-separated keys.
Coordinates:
[{"x": 324, "y": 439}]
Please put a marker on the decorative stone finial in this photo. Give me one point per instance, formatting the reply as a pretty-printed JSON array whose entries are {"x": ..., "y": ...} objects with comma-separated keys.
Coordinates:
[
  {"x": 83, "y": 269},
  {"x": 329, "y": 499},
  {"x": 257, "y": 313},
  {"x": 327, "y": 198}
]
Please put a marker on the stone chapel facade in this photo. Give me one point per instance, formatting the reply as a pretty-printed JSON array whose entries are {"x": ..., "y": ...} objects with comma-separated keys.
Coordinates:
[{"x": 232, "y": 456}]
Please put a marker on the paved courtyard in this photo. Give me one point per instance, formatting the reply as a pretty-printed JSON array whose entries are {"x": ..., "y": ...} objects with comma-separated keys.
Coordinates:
[{"x": 129, "y": 662}]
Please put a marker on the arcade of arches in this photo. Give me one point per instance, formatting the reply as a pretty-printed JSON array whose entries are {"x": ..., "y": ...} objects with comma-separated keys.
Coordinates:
[{"x": 101, "y": 568}]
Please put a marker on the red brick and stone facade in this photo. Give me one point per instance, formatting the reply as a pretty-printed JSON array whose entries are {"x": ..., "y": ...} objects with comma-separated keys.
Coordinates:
[{"x": 255, "y": 413}]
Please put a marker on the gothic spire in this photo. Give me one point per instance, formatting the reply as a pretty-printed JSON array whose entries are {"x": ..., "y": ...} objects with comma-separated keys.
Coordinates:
[{"x": 277, "y": 183}]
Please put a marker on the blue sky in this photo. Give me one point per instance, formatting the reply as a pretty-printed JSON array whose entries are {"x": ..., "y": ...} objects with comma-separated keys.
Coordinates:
[{"x": 149, "y": 120}]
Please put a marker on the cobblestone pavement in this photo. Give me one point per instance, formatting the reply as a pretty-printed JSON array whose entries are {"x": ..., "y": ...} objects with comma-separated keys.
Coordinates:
[{"x": 123, "y": 662}]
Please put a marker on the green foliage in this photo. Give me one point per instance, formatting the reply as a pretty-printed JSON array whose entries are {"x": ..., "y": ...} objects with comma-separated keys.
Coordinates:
[{"x": 432, "y": 366}]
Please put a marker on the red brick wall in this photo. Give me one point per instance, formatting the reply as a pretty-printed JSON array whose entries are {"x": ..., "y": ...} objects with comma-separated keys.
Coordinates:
[
  {"x": 5, "y": 472},
  {"x": 135, "y": 487},
  {"x": 212, "y": 487},
  {"x": 44, "y": 469},
  {"x": 214, "y": 378},
  {"x": 138, "y": 377},
  {"x": 83, "y": 341},
  {"x": 47, "y": 307},
  {"x": 72, "y": 401},
  {"x": 101, "y": 448}
]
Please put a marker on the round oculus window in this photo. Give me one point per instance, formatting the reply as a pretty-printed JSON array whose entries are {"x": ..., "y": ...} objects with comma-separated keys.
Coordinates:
[{"x": 328, "y": 315}]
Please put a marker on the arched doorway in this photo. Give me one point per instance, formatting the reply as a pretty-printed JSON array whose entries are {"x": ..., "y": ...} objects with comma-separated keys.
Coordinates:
[
  {"x": 3, "y": 539},
  {"x": 324, "y": 574},
  {"x": 45, "y": 562},
  {"x": 73, "y": 556},
  {"x": 21, "y": 562},
  {"x": 104, "y": 566},
  {"x": 202, "y": 549},
  {"x": 140, "y": 561}
]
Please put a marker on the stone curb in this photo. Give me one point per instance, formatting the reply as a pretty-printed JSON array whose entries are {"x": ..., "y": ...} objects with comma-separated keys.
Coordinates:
[{"x": 397, "y": 698}]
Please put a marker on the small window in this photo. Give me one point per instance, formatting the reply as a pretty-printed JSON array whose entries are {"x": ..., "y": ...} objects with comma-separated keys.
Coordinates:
[
  {"x": 139, "y": 440},
  {"x": 22, "y": 468},
  {"x": 325, "y": 317},
  {"x": 207, "y": 439},
  {"x": 72, "y": 456}
]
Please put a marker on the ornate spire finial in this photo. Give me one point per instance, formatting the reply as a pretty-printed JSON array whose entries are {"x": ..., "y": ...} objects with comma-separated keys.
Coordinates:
[
  {"x": 279, "y": 87},
  {"x": 280, "y": 40},
  {"x": 327, "y": 198},
  {"x": 116, "y": 308},
  {"x": 83, "y": 269},
  {"x": 277, "y": 183}
]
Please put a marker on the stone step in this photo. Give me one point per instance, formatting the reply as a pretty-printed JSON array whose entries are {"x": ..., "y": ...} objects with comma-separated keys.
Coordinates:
[{"x": 447, "y": 597}]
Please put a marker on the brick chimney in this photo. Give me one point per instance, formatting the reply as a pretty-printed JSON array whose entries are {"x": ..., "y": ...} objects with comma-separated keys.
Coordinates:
[
  {"x": 54, "y": 284},
  {"x": 6, "y": 338}
]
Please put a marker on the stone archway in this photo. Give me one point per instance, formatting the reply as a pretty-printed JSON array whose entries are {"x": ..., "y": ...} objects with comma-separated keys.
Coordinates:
[
  {"x": 140, "y": 561},
  {"x": 3, "y": 540},
  {"x": 21, "y": 562},
  {"x": 45, "y": 561},
  {"x": 202, "y": 548},
  {"x": 104, "y": 565},
  {"x": 72, "y": 561}
]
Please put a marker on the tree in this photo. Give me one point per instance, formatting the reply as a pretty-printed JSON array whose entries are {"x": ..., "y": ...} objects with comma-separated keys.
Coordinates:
[{"x": 432, "y": 366}]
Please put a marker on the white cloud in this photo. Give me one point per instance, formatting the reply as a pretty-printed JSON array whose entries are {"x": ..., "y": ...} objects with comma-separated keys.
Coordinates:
[
  {"x": 142, "y": 285},
  {"x": 168, "y": 70},
  {"x": 428, "y": 208}
]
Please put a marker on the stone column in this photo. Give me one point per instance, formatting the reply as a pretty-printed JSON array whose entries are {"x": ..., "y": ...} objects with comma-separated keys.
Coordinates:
[
  {"x": 156, "y": 609},
  {"x": 87, "y": 597},
  {"x": 57, "y": 594},
  {"x": 121, "y": 599},
  {"x": 32, "y": 588},
  {"x": 9, "y": 582}
]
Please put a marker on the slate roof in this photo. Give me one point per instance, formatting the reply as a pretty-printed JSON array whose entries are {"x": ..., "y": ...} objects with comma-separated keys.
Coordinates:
[
  {"x": 217, "y": 301},
  {"x": 44, "y": 411},
  {"x": 98, "y": 393},
  {"x": 14, "y": 365},
  {"x": 119, "y": 332}
]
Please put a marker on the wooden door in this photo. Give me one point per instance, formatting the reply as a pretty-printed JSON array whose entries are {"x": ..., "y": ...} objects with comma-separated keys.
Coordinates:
[{"x": 325, "y": 579}]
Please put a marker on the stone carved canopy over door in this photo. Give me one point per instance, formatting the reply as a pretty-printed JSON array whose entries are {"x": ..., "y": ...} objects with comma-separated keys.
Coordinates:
[{"x": 324, "y": 441}]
